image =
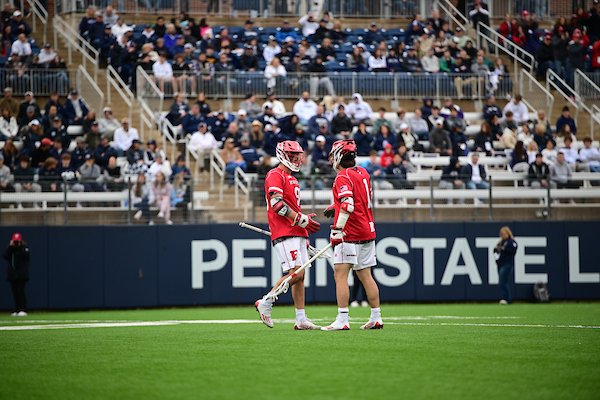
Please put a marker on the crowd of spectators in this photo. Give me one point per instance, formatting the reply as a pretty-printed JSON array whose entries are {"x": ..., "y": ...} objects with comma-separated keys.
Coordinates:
[
  {"x": 189, "y": 55},
  {"x": 23, "y": 64}
]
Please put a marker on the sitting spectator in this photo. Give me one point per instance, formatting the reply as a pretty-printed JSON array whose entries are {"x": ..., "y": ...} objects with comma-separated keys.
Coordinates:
[
  {"x": 233, "y": 159},
  {"x": 418, "y": 125},
  {"x": 479, "y": 14},
  {"x": 550, "y": 153},
  {"x": 202, "y": 141},
  {"x": 451, "y": 175},
  {"x": 46, "y": 56},
  {"x": 249, "y": 154},
  {"x": 571, "y": 155},
  {"x": 532, "y": 151},
  {"x": 273, "y": 72},
  {"x": 377, "y": 62},
  {"x": 319, "y": 77},
  {"x": 8, "y": 102},
  {"x": 6, "y": 177},
  {"x": 383, "y": 137},
  {"x": 474, "y": 174},
  {"x": 135, "y": 154},
  {"x": 22, "y": 48},
  {"x": 103, "y": 152},
  {"x": 484, "y": 140},
  {"x": 249, "y": 60},
  {"x": 190, "y": 122},
  {"x": 32, "y": 136},
  {"x": 519, "y": 159},
  {"x": 112, "y": 176},
  {"x": 430, "y": 62},
  {"x": 24, "y": 176},
  {"x": 48, "y": 176},
  {"x": 163, "y": 72},
  {"x": 363, "y": 139},
  {"x": 108, "y": 123},
  {"x": 542, "y": 120},
  {"x": 178, "y": 110},
  {"x": 204, "y": 106},
  {"x": 355, "y": 61},
  {"x": 539, "y": 174},
  {"x": 28, "y": 110},
  {"x": 124, "y": 136},
  {"x": 396, "y": 174},
  {"x": 509, "y": 138},
  {"x": 566, "y": 119},
  {"x": 160, "y": 165},
  {"x": 377, "y": 172},
  {"x": 341, "y": 124},
  {"x": 316, "y": 121},
  {"x": 162, "y": 197},
  {"x": 545, "y": 56},
  {"x": 271, "y": 49},
  {"x": 491, "y": 108},
  {"x": 381, "y": 120},
  {"x": 305, "y": 108},
  {"x": 75, "y": 109},
  {"x": 40, "y": 154},
  {"x": 8, "y": 124},
  {"x": 152, "y": 151},
  {"x": 590, "y": 156},
  {"x": 110, "y": 16},
  {"x": 359, "y": 110},
  {"x": 277, "y": 105},
  {"x": 561, "y": 173},
  {"x": 439, "y": 139},
  {"x": 252, "y": 108},
  {"x": 410, "y": 140},
  {"x": 320, "y": 152},
  {"x": 518, "y": 109},
  {"x": 142, "y": 196}
]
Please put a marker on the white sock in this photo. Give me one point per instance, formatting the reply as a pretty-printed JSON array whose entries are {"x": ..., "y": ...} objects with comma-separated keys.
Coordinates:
[
  {"x": 343, "y": 314},
  {"x": 300, "y": 315},
  {"x": 375, "y": 314}
]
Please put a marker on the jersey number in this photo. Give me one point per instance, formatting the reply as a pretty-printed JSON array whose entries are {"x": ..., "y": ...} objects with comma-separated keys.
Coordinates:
[{"x": 368, "y": 192}]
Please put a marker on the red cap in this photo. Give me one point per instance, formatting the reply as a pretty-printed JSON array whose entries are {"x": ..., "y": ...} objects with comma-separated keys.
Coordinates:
[
  {"x": 47, "y": 142},
  {"x": 525, "y": 13},
  {"x": 16, "y": 237}
]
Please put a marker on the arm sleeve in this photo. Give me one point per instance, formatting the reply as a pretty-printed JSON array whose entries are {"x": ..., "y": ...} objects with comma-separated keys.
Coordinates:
[
  {"x": 342, "y": 187},
  {"x": 274, "y": 184}
]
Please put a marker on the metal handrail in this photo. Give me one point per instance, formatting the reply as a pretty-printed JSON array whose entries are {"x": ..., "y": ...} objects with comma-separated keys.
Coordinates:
[
  {"x": 147, "y": 120},
  {"x": 531, "y": 81},
  {"x": 217, "y": 166},
  {"x": 40, "y": 12},
  {"x": 522, "y": 56},
  {"x": 595, "y": 119},
  {"x": 83, "y": 73},
  {"x": 73, "y": 40},
  {"x": 114, "y": 80},
  {"x": 144, "y": 79},
  {"x": 562, "y": 87},
  {"x": 168, "y": 133},
  {"x": 451, "y": 11}
]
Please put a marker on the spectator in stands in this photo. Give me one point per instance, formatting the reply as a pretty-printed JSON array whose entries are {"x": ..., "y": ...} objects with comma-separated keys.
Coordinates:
[
  {"x": 430, "y": 62},
  {"x": 202, "y": 141},
  {"x": 190, "y": 122},
  {"x": 545, "y": 56},
  {"x": 10, "y": 153},
  {"x": 474, "y": 174},
  {"x": 160, "y": 165},
  {"x": 135, "y": 156},
  {"x": 316, "y": 121},
  {"x": 561, "y": 173},
  {"x": 539, "y": 174},
  {"x": 251, "y": 106},
  {"x": 40, "y": 154},
  {"x": 383, "y": 137},
  {"x": 204, "y": 106},
  {"x": 359, "y": 110},
  {"x": 518, "y": 109},
  {"x": 75, "y": 109},
  {"x": 110, "y": 16},
  {"x": 550, "y": 153},
  {"x": 363, "y": 139},
  {"x": 151, "y": 152},
  {"x": 572, "y": 156},
  {"x": 271, "y": 49},
  {"x": 124, "y": 136},
  {"x": 90, "y": 175},
  {"x": 381, "y": 120},
  {"x": 519, "y": 159},
  {"x": 308, "y": 24},
  {"x": 249, "y": 154},
  {"x": 491, "y": 108},
  {"x": 22, "y": 48},
  {"x": 18, "y": 25},
  {"x": 341, "y": 123},
  {"x": 24, "y": 176},
  {"x": 32, "y": 136},
  {"x": 484, "y": 140},
  {"x": 277, "y": 105},
  {"x": 96, "y": 31},
  {"x": 142, "y": 196},
  {"x": 162, "y": 197},
  {"x": 9, "y": 103},
  {"x": 233, "y": 159},
  {"x": 576, "y": 54},
  {"x": 408, "y": 138},
  {"x": 566, "y": 119},
  {"x": 178, "y": 110},
  {"x": 218, "y": 125},
  {"x": 419, "y": 125},
  {"x": 319, "y": 77},
  {"x": 479, "y": 14},
  {"x": 532, "y": 151},
  {"x": 396, "y": 173},
  {"x": 6, "y": 177},
  {"x": 108, "y": 123},
  {"x": 182, "y": 73},
  {"x": 274, "y": 71},
  {"x": 92, "y": 136},
  {"x": 451, "y": 176},
  {"x": 387, "y": 155},
  {"x": 8, "y": 124},
  {"x": 112, "y": 177},
  {"x": 462, "y": 78},
  {"x": 248, "y": 60},
  {"x": 163, "y": 72},
  {"x": 377, "y": 62},
  {"x": 560, "y": 40},
  {"x": 24, "y": 106},
  {"x": 439, "y": 139},
  {"x": 103, "y": 152},
  {"x": 589, "y": 156},
  {"x": 87, "y": 21},
  {"x": 305, "y": 108},
  {"x": 355, "y": 62},
  {"x": 410, "y": 61}
]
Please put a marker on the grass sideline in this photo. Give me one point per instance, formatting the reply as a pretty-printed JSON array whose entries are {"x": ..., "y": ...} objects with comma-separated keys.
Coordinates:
[{"x": 450, "y": 351}]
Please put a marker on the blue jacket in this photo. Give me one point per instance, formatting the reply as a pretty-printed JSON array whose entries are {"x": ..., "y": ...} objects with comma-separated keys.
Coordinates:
[
  {"x": 379, "y": 141},
  {"x": 506, "y": 251},
  {"x": 364, "y": 143},
  {"x": 190, "y": 122},
  {"x": 70, "y": 112},
  {"x": 561, "y": 121}
]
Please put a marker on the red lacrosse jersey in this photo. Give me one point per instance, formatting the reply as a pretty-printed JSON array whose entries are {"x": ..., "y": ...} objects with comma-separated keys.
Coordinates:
[
  {"x": 355, "y": 182},
  {"x": 279, "y": 181}
]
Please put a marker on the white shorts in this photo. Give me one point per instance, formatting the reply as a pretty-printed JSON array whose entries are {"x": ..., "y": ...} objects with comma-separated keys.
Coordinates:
[
  {"x": 291, "y": 252},
  {"x": 360, "y": 256}
]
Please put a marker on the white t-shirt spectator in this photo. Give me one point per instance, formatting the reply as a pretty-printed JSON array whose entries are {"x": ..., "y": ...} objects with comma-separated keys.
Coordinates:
[
  {"x": 430, "y": 63},
  {"x": 519, "y": 111},
  {"x": 202, "y": 142},
  {"x": 162, "y": 70},
  {"x": 119, "y": 30},
  {"x": 155, "y": 167},
  {"x": 571, "y": 155},
  {"x": 360, "y": 110},
  {"x": 377, "y": 63},
  {"x": 46, "y": 56},
  {"x": 590, "y": 156},
  {"x": 271, "y": 51},
  {"x": 272, "y": 72},
  {"x": 305, "y": 109},
  {"x": 122, "y": 139},
  {"x": 21, "y": 48},
  {"x": 308, "y": 27}
]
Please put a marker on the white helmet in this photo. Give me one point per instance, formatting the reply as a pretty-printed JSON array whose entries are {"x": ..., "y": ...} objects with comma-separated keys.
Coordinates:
[{"x": 290, "y": 154}]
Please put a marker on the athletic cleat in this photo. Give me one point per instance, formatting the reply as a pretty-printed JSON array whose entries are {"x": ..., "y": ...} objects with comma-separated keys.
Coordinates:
[
  {"x": 337, "y": 325},
  {"x": 306, "y": 325},
  {"x": 373, "y": 325},
  {"x": 264, "y": 310}
]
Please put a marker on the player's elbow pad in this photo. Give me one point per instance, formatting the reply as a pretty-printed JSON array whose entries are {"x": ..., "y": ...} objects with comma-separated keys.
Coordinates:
[
  {"x": 279, "y": 206},
  {"x": 347, "y": 205}
]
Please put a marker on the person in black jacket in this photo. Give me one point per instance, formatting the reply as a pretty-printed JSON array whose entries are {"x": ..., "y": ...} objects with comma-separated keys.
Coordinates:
[
  {"x": 504, "y": 252},
  {"x": 539, "y": 173},
  {"x": 545, "y": 56},
  {"x": 17, "y": 273}
]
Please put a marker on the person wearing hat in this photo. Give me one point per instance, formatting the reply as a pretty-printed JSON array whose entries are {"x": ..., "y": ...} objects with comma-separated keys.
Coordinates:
[
  {"x": 90, "y": 174},
  {"x": 7, "y": 101},
  {"x": 242, "y": 121},
  {"x": 17, "y": 273},
  {"x": 26, "y": 105},
  {"x": 96, "y": 30},
  {"x": 40, "y": 154},
  {"x": 32, "y": 135},
  {"x": 75, "y": 109},
  {"x": 46, "y": 56},
  {"x": 190, "y": 122},
  {"x": 249, "y": 32},
  {"x": 576, "y": 53},
  {"x": 103, "y": 152},
  {"x": 277, "y": 105},
  {"x": 274, "y": 72},
  {"x": 79, "y": 152},
  {"x": 151, "y": 152},
  {"x": 451, "y": 177},
  {"x": 257, "y": 137},
  {"x": 545, "y": 56},
  {"x": 286, "y": 31},
  {"x": 57, "y": 132},
  {"x": 439, "y": 139},
  {"x": 92, "y": 136},
  {"x": 18, "y": 25},
  {"x": 249, "y": 60},
  {"x": 373, "y": 34}
]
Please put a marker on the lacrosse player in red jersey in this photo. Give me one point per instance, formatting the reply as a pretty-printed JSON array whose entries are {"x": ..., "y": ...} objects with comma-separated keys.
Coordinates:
[
  {"x": 289, "y": 229},
  {"x": 352, "y": 234}
]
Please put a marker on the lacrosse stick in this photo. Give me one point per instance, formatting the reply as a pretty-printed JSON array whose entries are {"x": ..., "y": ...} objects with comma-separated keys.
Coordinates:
[
  {"x": 285, "y": 285},
  {"x": 311, "y": 249}
]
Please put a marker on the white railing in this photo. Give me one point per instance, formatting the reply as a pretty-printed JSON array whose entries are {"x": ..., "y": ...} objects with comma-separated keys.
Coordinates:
[
  {"x": 535, "y": 95},
  {"x": 40, "y": 12},
  {"x": 169, "y": 134},
  {"x": 217, "y": 169},
  {"x": 151, "y": 101},
  {"x": 114, "y": 82},
  {"x": 555, "y": 82},
  {"x": 595, "y": 119},
  {"x": 242, "y": 185},
  {"x": 453, "y": 14},
  {"x": 147, "y": 121},
  {"x": 74, "y": 42},
  {"x": 89, "y": 90},
  {"x": 487, "y": 36},
  {"x": 589, "y": 93}
]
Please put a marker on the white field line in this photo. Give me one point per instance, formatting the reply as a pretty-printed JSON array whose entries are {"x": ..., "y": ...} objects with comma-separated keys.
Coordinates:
[{"x": 256, "y": 321}]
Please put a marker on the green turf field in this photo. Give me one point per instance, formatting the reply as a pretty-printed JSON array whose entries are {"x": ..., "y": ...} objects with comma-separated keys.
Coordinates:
[{"x": 437, "y": 351}]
